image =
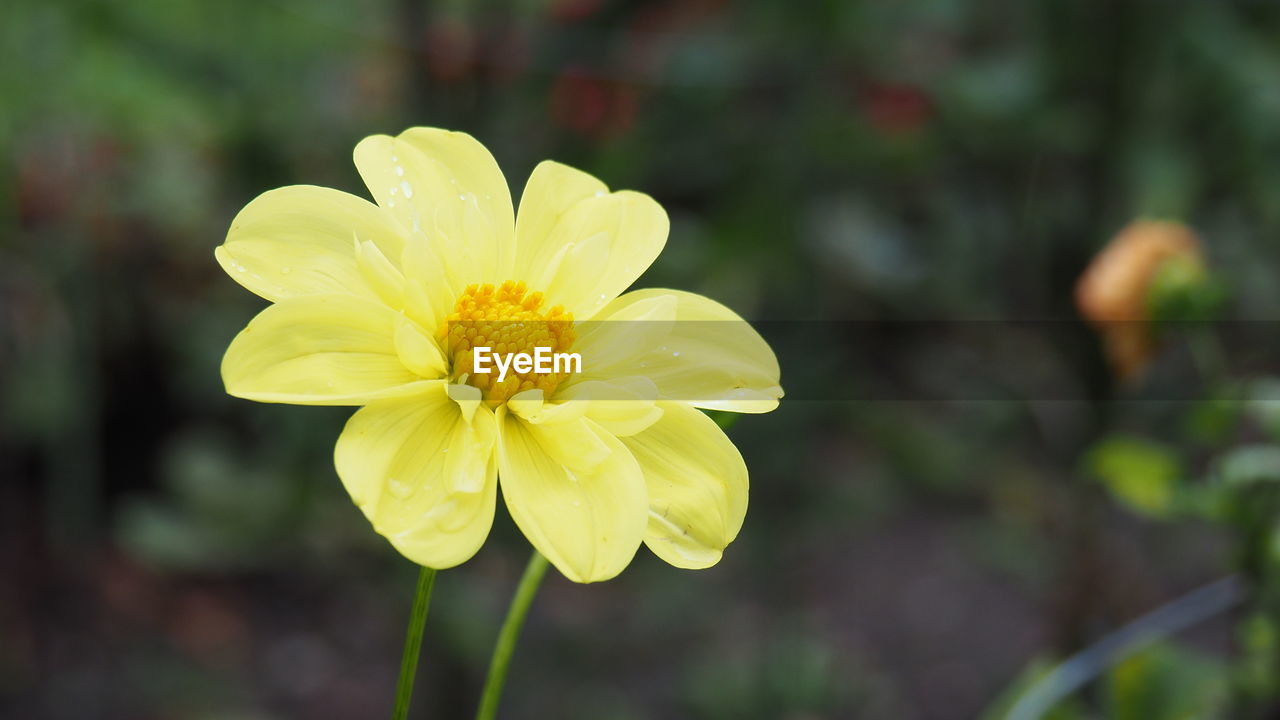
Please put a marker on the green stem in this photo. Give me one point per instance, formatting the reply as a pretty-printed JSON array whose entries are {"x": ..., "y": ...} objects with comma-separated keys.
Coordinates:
[
  {"x": 413, "y": 643},
  {"x": 507, "y": 637}
]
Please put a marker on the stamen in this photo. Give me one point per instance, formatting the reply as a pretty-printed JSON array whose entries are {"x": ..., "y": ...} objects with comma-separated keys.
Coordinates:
[{"x": 506, "y": 319}]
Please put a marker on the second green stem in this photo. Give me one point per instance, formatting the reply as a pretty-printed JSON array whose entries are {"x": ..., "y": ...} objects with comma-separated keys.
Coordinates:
[{"x": 509, "y": 634}]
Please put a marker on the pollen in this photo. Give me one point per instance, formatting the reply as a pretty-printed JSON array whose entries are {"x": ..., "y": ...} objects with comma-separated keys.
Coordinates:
[{"x": 506, "y": 319}]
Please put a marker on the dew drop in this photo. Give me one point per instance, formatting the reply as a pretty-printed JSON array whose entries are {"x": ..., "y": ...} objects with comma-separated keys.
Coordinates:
[
  {"x": 408, "y": 191},
  {"x": 399, "y": 488},
  {"x": 399, "y": 171},
  {"x": 675, "y": 354},
  {"x": 394, "y": 190}
]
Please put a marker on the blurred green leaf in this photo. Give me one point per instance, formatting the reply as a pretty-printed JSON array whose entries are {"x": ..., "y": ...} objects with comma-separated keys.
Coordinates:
[
  {"x": 724, "y": 419},
  {"x": 1166, "y": 682},
  {"x": 1211, "y": 421},
  {"x": 1249, "y": 464},
  {"x": 1259, "y": 641},
  {"x": 1182, "y": 291},
  {"x": 1141, "y": 474},
  {"x": 1264, "y": 404}
]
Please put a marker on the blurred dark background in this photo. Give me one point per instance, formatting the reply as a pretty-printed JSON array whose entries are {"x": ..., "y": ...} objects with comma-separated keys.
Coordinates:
[{"x": 169, "y": 552}]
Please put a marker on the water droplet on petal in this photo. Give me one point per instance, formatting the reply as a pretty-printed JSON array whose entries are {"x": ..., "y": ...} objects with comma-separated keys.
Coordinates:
[
  {"x": 399, "y": 488},
  {"x": 408, "y": 190}
]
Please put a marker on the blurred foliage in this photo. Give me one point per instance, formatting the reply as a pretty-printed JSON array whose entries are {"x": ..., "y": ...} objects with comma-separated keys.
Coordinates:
[
  {"x": 1139, "y": 474},
  {"x": 1032, "y": 674},
  {"x": 934, "y": 509},
  {"x": 1166, "y": 683}
]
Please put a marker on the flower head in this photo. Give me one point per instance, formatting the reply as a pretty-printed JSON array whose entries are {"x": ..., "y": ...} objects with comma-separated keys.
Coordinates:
[{"x": 395, "y": 307}]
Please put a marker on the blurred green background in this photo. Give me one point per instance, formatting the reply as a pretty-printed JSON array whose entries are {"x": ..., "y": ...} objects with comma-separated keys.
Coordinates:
[{"x": 170, "y": 552}]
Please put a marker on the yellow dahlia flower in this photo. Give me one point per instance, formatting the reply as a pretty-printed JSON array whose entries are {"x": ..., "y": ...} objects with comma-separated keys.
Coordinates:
[{"x": 383, "y": 306}]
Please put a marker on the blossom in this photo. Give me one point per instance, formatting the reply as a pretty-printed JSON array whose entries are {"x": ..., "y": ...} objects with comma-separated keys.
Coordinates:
[{"x": 381, "y": 306}]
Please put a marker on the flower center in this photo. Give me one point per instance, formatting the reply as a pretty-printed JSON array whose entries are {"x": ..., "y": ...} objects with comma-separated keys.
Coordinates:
[{"x": 508, "y": 321}]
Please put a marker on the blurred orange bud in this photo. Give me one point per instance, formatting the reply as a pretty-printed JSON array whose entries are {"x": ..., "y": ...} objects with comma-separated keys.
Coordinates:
[
  {"x": 894, "y": 109},
  {"x": 451, "y": 48},
  {"x": 592, "y": 104},
  {"x": 569, "y": 11},
  {"x": 1114, "y": 293}
]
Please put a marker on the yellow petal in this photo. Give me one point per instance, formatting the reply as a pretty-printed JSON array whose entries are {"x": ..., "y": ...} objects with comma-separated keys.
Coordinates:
[
  {"x": 447, "y": 192},
  {"x": 588, "y": 525},
  {"x": 467, "y": 397},
  {"x": 380, "y": 274},
  {"x": 623, "y": 406},
  {"x": 710, "y": 358},
  {"x": 418, "y": 351},
  {"x": 628, "y": 330},
  {"x": 429, "y": 293},
  {"x": 423, "y": 475},
  {"x": 319, "y": 350},
  {"x": 697, "y": 486},
  {"x": 567, "y": 438},
  {"x": 533, "y": 408},
  {"x": 553, "y": 189},
  {"x": 581, "y": 245},
  {"x": 298, "y": 241}
]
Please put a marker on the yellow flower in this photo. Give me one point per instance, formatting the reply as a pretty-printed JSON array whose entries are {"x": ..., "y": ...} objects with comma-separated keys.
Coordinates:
[{"x": 381, "y": 306}]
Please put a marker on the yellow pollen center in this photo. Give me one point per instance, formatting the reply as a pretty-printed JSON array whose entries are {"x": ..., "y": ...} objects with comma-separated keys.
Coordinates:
[{"x": 507, "y": 320}]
